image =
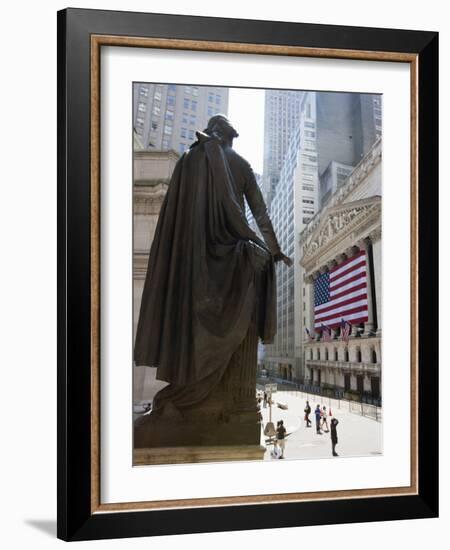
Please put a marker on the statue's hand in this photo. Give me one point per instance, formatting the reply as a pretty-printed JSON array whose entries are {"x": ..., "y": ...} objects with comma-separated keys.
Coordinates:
[{"x": 280, "y": 257}]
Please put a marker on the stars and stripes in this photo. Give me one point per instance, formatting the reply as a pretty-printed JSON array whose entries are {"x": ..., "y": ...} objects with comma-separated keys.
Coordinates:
[
  {"x": 327, "y": 333},
  {"x": 346, "y": 329},
  {"x": 342, "y": 294}
]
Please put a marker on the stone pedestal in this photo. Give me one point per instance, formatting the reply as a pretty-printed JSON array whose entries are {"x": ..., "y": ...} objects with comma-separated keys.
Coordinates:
[
  {"x": 224, "y": 426},
  {"x": 195, "y": 454}
]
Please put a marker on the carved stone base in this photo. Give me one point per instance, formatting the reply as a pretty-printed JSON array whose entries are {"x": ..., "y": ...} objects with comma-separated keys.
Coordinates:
[
  {"x": 229, "y": 416},
  {"x": 189, "y": 455},
  {"x": 211, "y": 425}
]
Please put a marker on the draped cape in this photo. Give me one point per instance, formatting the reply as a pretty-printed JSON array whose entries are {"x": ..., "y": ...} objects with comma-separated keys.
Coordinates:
[{"x": 202, "y": 286}]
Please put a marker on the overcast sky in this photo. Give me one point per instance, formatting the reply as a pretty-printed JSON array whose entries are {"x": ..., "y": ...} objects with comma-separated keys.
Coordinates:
[{"x": 246, "y": 113}]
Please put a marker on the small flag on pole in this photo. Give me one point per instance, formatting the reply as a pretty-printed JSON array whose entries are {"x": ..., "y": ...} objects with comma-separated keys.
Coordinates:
[
  {"x": 346, "y": 329},
  {"x": 308, "y": 334},
  {"x": 326, "y": 333}
]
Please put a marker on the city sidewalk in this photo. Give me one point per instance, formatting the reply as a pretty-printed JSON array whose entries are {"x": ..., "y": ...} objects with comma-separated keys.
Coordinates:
[{"x": 357, "y": 435}]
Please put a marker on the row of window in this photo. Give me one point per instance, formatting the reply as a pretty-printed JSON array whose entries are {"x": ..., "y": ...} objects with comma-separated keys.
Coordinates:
[
  {"x": 191, "y": 90},
  {"x": 334, "y": 355},
  {"x": 190, "y": 104},
  {"x": 211, "y": 98},
  {"x": 185, "y": 133}
]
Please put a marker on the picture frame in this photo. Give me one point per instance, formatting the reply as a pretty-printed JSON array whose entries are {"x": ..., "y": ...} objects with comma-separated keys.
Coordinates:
[{"x": 81, "y": 35}]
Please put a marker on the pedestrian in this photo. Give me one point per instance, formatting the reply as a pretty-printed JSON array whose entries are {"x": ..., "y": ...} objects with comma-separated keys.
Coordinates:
[
  {"x": 276, "y": 450},
  {"x": 265, "y": 400},
  {"x": 324, "y": 419},
  {"x": 307, "y": 413},
  {"x": 318, "y": 414},
  {"x": 281, "y": 434},
  {"x": 334, "y": 437}
]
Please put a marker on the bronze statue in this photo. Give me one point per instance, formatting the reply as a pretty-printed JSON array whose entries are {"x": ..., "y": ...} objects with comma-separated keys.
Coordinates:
[{"x": 210, "y": 278}]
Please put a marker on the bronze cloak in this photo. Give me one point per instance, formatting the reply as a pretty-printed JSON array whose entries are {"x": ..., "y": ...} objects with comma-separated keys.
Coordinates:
[{"x": 203, "y": 283}]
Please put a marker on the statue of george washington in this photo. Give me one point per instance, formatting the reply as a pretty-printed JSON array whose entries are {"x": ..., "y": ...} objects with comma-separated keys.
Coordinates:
[{"x": 209, "y": 293}]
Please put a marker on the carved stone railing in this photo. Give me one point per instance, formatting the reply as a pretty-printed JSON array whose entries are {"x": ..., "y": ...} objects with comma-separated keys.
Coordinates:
[{"x": 349, "y": 366}]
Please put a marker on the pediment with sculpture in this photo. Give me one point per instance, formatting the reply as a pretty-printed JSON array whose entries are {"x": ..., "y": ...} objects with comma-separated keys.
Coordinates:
[{"x": 336, "y": 223}]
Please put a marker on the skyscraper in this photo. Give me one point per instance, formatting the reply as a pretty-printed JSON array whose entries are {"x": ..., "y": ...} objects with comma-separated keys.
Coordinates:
[
  {"x": 166, "y": 116},
  {"x": 281, "y": 118},
  {"x": 333, "y": 131}
]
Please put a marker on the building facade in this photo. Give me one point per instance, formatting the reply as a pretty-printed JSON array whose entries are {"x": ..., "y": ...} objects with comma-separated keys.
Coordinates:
[
  {"x": 166, "y": 116},
  {"x": 294, "y": 203},
  {"x": 348, "y": 225},
  {"x": 152, "y": 173},
  {"x": 281, "y": 118},
  {"x": 332, "y": 133}
]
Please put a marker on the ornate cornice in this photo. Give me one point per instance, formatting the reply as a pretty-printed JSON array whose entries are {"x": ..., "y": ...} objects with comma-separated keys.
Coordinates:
[
  {"x": 360, "y": 172},
  {"x": 148, "y": 199},
  {"x": 156, "y": 155},
  {"x": 337, "y": 223},
  {"x": 140, "y": 263}
]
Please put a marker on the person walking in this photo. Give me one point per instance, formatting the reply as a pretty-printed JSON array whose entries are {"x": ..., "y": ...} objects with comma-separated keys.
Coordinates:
[
  {"x": 281, "y": 435},
  {"x": 334, "y": 437},
  {"x": 265, "y": 400},
  {"x": 324, "y": 419},
  {"x": 307, "y": 413},
  {"x": 276, "y": 450},
  {"x": 318, "y": 414}
]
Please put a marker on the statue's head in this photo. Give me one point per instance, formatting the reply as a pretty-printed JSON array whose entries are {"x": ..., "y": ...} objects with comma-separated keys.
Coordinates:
[{"x": 221, "y": 127}]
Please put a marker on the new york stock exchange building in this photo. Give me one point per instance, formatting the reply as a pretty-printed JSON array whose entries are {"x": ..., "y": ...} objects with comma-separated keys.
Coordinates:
[{"x": 340, "y": 274}]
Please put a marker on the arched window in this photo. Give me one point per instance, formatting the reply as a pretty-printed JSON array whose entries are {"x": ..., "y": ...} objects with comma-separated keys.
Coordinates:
[
  {"x": 318, "y": 354},
  {"x": 335, "y": 354},
  {"x": 326, "y": 354},
  {"x": 346, "y": 354},
  {"x": 373, "y": 354},
  {"x": 310, "y": 353},
  {"x": 358, "y": 355}
]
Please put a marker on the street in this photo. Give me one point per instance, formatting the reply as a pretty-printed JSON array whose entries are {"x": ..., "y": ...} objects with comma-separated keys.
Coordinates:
[{"x": 357, "y": 435}]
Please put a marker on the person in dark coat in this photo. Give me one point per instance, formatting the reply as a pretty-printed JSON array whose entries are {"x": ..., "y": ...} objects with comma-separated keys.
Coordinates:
[
  {"x": 307, "y": 413},
  {"x": 281, "y": 437},
  {"x": 334, "y": 438},
  {"x": 208, "y": 271}
]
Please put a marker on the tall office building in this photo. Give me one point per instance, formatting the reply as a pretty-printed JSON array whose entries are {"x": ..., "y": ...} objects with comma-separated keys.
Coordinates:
[
  {"x": 249, "y": 214},
  {"x": 166, "y": 116},
  {"x": 333, "y": 132},
  {"x": 346, "y": 126},
  {"x": 281, "y": 118}
]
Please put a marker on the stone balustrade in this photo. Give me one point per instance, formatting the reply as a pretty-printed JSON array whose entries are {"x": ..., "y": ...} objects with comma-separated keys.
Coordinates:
[{"x": 346, "y": 366}]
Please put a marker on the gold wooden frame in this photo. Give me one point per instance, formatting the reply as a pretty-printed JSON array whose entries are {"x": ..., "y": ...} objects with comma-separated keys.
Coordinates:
[{"x": 97, "y": 41}]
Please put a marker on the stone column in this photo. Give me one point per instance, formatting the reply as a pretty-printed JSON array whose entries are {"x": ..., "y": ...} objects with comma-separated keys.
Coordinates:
[
  {"x": 309, "y": 300},
  {"x": 369, "y": 326},
  {"x": 375, "y": 237}
]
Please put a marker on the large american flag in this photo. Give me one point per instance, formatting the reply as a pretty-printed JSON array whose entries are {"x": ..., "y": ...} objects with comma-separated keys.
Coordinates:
[{"x": 342, "y": 294}]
